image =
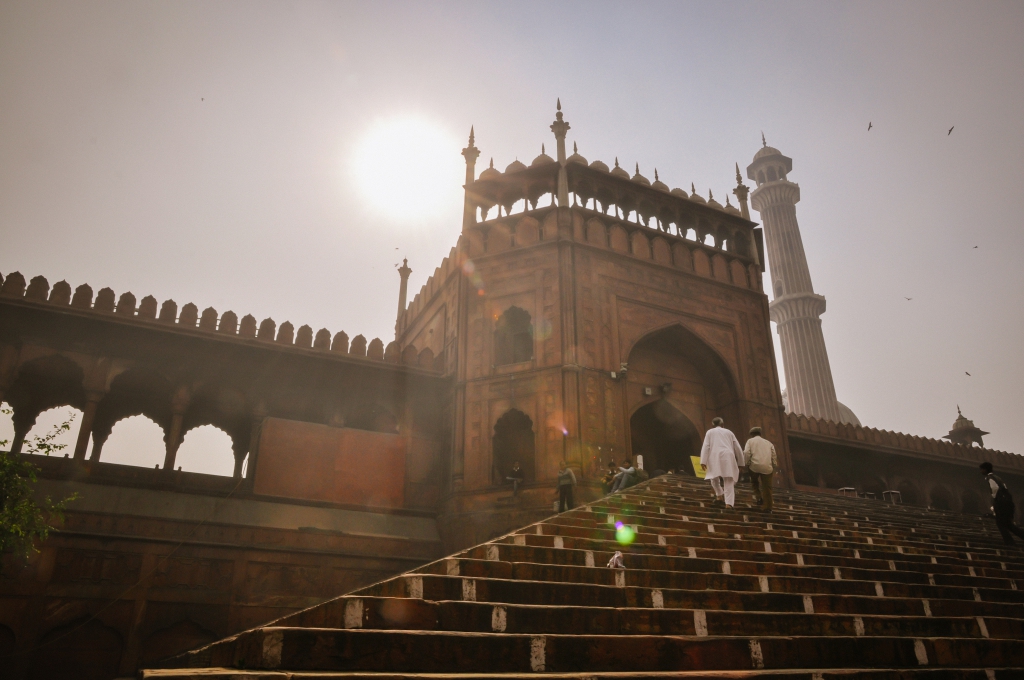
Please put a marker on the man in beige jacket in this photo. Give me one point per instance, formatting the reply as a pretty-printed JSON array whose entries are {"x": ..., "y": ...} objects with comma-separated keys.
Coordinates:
[{"x": 762, "y": 462}]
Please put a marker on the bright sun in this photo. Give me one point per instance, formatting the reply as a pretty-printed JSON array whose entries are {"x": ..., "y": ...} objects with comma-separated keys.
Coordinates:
[{"x": 409, "y": 168}]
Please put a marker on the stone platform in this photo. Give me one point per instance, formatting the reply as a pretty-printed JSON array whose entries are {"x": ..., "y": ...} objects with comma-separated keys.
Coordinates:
[{"x": 824, "y": 587}]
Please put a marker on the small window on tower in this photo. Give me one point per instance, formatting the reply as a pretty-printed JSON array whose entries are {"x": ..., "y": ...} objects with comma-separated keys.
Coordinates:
[
  {"x": 771, "y": 173},
  {"x": 513, "y": 337}
]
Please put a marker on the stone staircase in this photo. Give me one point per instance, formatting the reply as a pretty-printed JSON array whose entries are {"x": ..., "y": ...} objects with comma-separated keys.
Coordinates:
[{"x": 824, "y": 587}]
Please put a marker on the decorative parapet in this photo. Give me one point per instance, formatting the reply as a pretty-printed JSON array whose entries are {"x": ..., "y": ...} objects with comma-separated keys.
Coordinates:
[
  {"x": 434, "y": 283},
  {"x": 860, "y": 435},
  {"x": 38, "y": 292}
]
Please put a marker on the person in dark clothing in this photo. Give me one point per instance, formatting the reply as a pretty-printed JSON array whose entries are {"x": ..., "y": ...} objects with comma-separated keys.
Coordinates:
[
  {"x": 609, "y": 477},
  {"x": 515, "y": 476},
  {"x": 566, "y": 481},
  {"x": 1002, "y": 505}
]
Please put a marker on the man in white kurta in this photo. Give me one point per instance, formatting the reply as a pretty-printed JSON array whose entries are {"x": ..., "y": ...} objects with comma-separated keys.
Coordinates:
[{"x": 721, "y": 457}]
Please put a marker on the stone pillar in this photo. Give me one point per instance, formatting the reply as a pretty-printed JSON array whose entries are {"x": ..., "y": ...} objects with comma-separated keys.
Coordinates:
[
  {"x": 173, "y": 440},
  {"x": 403, "y": 291},
  {"x": 22, "y": 425},
  {"x": 256, "y": 427},
  {"x": 179, "y": 402},
  {"x": 795, "y": 307},
  {"x": 85, "y": 430},
  {"x": 560, "y": 127},
  {"x": 471, "y": 153}
]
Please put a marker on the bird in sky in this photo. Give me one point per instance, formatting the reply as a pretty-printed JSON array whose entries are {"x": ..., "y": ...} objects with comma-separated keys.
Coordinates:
[
  {"x": 975, "y": 247},
  {"x": 950, "y": 131},
  {"x": 869, "y": 126},
  {"x": 968, "y": 374},
  {"x": 906, "y": 298}
]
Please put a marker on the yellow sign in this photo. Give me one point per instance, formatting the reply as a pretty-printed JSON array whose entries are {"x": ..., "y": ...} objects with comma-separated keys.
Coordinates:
[{"x": 696, "y": 466}]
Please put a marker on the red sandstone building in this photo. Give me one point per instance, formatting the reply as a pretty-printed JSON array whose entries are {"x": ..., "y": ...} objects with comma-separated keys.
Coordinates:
[{"x": 585, "y": 314}]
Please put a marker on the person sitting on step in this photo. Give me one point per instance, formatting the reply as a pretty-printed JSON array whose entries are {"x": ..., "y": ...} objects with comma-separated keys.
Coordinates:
[
  {"x": 609, "y": 477},
  {"x": 625, "y": 478},
  {"x": 515, "y": 476}
]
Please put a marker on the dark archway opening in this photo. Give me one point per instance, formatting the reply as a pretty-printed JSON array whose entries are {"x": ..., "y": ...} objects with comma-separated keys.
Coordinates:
[
  {"x": 513, "y": 441},
  {"x": 664, "y": 437},
  {"x": 513, "y": 337}
]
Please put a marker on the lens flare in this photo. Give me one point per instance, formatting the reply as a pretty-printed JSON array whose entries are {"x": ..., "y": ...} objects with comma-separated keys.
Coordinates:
[{"x": 624, "y": 534}]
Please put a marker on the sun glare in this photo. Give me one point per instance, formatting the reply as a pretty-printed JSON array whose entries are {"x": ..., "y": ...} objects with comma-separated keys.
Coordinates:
[{"x": 408, "y": 168}]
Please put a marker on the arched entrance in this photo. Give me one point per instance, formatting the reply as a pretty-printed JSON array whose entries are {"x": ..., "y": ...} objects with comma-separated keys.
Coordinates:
[
  {"x": 513, "y": 441},
  {"x": 664, "y": 437},
  {"x": 695, "y": 385}
]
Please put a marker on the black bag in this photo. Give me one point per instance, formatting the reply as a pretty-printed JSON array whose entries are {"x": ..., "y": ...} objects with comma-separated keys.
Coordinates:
[{"x": 1002, "y": 504}]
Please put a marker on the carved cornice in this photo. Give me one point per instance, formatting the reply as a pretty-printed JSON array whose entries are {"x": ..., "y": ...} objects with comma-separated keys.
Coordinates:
[
  {"x": 780, "y": 192},
  {"x": 796, "y": 306}
]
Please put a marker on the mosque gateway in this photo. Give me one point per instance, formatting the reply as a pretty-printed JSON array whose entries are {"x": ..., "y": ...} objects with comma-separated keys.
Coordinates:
[{"x": 587, "y": 313}]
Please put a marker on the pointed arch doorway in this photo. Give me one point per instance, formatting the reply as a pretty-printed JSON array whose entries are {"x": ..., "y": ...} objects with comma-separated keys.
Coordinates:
[
  {"x": 664, "y": 437},
  {"x": 513, "y": 441}
]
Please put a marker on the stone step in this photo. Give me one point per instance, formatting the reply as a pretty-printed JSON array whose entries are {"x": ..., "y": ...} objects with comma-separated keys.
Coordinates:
[
  {"x": 299, "y": 649},
  {"x": 809, "y": 674},
  {"x": 382, "y": 613}
]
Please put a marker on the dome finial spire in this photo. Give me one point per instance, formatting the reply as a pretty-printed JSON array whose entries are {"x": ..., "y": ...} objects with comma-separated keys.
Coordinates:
[
  {"x": 763, "y": 142},
  {"x": 656, "y": 175},
  {"x": 472, "y": 135},
  {"x": 542, "y": 149},
  {"x": 574, "y": 149},
  {"x": 739, "y": 177},
  {"x": 558, "y": 103},
  {"x": 693, "y": 189},
  {"x": 616, "y": 161}
]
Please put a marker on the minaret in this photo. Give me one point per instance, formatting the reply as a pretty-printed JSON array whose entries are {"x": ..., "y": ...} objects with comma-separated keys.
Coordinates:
[
  {"x": 560, "y": 127},
  {"x": 471, "y": 153},
  {"x": 403, "y": 291},
  {"x": 795, "y": 308}
]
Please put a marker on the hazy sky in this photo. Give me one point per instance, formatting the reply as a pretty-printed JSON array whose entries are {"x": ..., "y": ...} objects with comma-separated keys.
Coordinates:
[{"x": 205, "y": 152}]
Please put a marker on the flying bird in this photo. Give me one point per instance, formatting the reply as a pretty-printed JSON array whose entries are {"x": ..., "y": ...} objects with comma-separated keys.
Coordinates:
[
  {"x": 950, "y": 131},
  {"x": 967, "y": 373},
  {"x": 975, "y": 247},
  {"x": 869, "y": 126},
  {"x": 906, "y": 298}
]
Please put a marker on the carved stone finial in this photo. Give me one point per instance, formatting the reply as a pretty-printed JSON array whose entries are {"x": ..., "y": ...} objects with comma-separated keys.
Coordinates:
[
  {"x": 558, "y": 103},
  {"x": 574, "y": 149},
  {"x": 711, "y": 196},
  {"x": 693, "y": 189},
  {"x": 492, "y": 163},
  {"x": 542, "y": 150},
  {"x": 763, "y": 142},
  {"x": 656, "y": 175},
  {"x": 472, "y": 135},
  {"x": 638, "y": 168},
  {"x": 739, "y": 178},
  {"x": 616, "y": 161}
]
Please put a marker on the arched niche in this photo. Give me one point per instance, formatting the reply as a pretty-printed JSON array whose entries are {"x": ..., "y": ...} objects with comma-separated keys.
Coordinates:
[
  {"x": 513, "y": 337},
  {"x": 206, "y": 449},
  {"x": 514, "y": 440},
  {"x": 135, "y": 440},
  {"x": 664, "y": 437},
  {"x": 138, "y": 391},
  {"x": 42, "y": 384}
]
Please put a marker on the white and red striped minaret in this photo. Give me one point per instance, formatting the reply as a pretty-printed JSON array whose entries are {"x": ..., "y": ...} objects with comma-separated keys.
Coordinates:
[{"x": 796, "y": 308}]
